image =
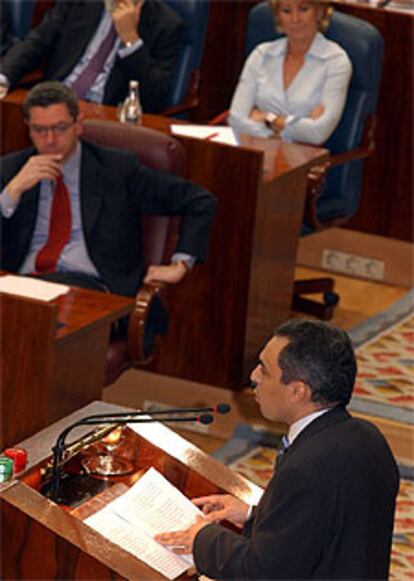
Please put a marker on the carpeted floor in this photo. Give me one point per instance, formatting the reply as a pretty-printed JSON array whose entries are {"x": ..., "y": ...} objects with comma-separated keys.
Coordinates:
[
  {"x": 385, "y": 353},
  {"x": 252, "y": 453}
]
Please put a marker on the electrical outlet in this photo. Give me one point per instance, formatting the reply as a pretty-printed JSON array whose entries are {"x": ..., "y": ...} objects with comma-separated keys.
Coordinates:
[{"x": 353, "y": 264}]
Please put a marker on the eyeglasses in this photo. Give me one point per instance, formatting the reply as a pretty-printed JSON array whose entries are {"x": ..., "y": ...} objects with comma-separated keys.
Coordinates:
[{"x": 43, "y": 130}]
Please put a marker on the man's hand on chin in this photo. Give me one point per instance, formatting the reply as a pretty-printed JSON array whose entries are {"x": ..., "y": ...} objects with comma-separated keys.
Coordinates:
[
  {"x": 126, "y": 16},
  {"x": 36, "y": 169}
]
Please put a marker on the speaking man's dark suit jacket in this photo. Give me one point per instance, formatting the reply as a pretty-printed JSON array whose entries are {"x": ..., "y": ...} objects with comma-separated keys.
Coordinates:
[
  {"x": 65, "y": 31},
  {"x": 114, "y": 190},
  {"x": 327, "y": 513}
]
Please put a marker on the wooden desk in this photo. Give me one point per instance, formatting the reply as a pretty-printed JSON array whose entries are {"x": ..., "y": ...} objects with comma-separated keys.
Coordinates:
[
  {"x": 43, "y": 541},
  {"x": 224, "y": 312},
  {"x": 53, "y": 357}
]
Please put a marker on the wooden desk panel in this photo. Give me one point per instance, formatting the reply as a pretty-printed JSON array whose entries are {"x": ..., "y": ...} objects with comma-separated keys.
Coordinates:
[
  {"x": 25, "y": 366},
  {"x": 222, "y": 313},
  {"x": 53, "y": 357}
]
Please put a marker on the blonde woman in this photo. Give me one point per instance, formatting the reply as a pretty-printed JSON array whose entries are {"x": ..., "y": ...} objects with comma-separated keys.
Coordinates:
[{"x": 294, "y": 87}]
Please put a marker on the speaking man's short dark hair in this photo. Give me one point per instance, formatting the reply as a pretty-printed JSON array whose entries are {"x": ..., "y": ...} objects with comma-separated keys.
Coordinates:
[{"x": 321, "y": 355}]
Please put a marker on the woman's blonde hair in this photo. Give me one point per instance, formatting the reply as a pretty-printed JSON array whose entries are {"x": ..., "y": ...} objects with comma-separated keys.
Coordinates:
[{"x": 323, "y": 20}]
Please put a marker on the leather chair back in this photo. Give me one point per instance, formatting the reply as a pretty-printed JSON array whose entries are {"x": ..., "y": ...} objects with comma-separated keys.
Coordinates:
[
  {"x": 157, "y": 151},
  {"x": 195, "y": 14},
  {"x": 21, "y": 15},
  {"x": 364, "y": 46}
]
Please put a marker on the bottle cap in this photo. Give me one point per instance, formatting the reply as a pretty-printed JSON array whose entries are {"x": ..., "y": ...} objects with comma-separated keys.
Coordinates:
[
  {"x": 19, "y": 457},
  {"x": 6, "y": 469}
]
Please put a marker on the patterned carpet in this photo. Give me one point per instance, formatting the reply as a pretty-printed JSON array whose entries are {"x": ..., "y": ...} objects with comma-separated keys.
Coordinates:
[
  {"x": 385, "y": 353},
  {"x": 257, "y": 465}
]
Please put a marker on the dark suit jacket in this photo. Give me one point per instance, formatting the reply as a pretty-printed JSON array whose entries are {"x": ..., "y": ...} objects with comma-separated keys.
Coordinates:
[
  {"x": 327, "y": 513},
  {"x": 114, "y": 190},
  {"x": 6, "y": 39},
  {"x": 65, "y": 31}
]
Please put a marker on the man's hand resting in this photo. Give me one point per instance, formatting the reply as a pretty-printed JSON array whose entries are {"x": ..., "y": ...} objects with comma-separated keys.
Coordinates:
[
  {"x": 169, "y": 273},
  {"x": 220, "y": 507}
]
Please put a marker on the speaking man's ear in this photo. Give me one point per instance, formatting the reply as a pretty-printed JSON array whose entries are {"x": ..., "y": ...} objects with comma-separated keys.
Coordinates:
[{"x": 301, "y": 391}]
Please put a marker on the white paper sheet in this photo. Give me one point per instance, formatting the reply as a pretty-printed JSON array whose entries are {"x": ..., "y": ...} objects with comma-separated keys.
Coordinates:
[
  {"x": 153, "y": 505},
  {"x": 33, "y": 288},
  {"x": 218, "y": 133}
]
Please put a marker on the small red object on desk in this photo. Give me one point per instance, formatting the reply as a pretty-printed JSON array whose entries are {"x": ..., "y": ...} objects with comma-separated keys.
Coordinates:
[{"x": 19, "y": 457}]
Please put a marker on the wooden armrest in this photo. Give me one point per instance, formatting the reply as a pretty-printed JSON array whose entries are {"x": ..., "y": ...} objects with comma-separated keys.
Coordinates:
[
  {"x": 30, "y": 79},
  {"x": 138, "y": 320},
  {"x": 366, "y": 148},
  {"x": 191, "y": 101},
  {"x": 219, "y": 119},
  {"x": 317, "y": 175}
]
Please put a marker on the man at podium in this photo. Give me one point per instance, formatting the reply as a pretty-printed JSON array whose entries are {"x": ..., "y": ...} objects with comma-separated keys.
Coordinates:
[{"x": 327, "y": 512}]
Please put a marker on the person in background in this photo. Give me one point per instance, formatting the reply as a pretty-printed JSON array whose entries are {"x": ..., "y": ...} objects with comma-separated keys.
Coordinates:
[
  {"x": 6, "y": 38},
  {"x": 69, "y": 210},
  {"x": 294, "y": 87},
  {"x": 98, "y": 47},
  {"x": 328, "y": 511}
]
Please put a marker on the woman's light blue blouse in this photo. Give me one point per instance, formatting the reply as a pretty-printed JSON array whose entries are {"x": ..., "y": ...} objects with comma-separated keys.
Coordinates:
[{"x": 323, "y": 79}]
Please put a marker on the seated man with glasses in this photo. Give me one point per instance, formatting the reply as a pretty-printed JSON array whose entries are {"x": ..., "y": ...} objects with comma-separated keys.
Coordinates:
[{"x": 69, "y": 209}]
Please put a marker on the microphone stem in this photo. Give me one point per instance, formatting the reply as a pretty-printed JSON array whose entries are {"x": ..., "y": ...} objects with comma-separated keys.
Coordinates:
[
  {"x": 116, "y": 419},
  {"x": 154, "y": 413},
  {"x": 135, "y": 420}
]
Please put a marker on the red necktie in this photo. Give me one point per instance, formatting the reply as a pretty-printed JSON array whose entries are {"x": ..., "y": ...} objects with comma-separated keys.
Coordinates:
[{"x": 60, "y": 224}]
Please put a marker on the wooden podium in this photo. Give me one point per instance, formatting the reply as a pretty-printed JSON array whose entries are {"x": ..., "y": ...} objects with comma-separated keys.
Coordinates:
[
  {"x": 42, "y": 540},
  {"x": 52, "y": 357}
]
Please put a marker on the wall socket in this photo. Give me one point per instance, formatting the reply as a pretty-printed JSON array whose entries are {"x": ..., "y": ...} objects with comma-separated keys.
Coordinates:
[{"x": 353, "y": 264}]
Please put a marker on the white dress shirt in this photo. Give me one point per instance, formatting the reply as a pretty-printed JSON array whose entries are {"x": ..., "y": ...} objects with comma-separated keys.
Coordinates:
[
  {"x": 298, "y": 427},
  {"x": 323, "y": 80}
]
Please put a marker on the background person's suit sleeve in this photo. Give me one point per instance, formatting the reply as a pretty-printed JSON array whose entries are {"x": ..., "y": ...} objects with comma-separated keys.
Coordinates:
[
  {"x": 156, "y": 192},
  {"x": 28, "y": 54}
]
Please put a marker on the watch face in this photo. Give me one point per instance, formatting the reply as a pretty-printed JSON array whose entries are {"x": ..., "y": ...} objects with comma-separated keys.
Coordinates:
[
  {"x": 110, "y": 5},
  {"x": 269, "y": 119}
]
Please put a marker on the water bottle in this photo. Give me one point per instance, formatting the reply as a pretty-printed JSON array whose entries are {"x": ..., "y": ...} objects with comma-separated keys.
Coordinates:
[{"x": 131, "y": 110}]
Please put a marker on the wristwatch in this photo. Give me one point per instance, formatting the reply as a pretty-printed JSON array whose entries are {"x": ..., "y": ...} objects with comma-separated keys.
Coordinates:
[{"x": 269, "y": 119}]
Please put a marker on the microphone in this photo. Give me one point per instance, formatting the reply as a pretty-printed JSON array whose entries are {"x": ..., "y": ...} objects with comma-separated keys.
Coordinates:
[
  {"x": 220, "y": 408},
  {"x": 125, "y": 418}
]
